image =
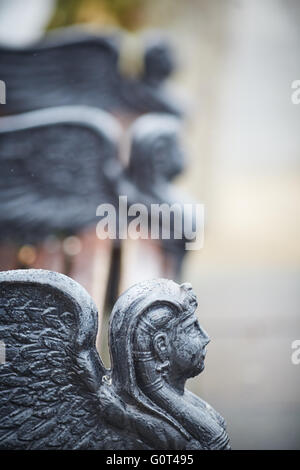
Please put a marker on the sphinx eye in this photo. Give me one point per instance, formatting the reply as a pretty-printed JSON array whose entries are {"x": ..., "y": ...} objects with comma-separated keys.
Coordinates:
[{"x": 193, "y": 328}]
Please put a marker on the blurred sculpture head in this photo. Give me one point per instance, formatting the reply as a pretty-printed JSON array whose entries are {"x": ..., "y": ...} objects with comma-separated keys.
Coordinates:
[
  {"x": 159, "y": 61},
  {"x": 156, "y": 150}
]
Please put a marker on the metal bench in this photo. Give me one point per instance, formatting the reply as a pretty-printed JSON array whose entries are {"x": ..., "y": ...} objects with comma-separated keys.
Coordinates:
[{"x": 57, "y": 166}]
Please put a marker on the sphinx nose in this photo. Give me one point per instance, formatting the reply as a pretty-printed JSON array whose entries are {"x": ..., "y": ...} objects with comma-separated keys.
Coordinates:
[{"x": 206, "y": 338}]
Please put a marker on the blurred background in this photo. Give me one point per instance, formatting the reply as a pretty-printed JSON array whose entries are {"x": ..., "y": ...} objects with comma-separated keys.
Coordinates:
[{"x": 237, "y": 60}]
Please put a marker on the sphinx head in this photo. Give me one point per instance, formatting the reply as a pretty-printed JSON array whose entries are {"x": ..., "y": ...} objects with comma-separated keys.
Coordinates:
[
  {"x": 155, "y": 336},
  {"x": 156, "y": 149}
]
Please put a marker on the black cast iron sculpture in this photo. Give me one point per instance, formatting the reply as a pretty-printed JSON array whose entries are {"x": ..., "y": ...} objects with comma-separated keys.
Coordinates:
[
  {"x": 55, "y": 392},
  {"x": 73, "y": 66}
]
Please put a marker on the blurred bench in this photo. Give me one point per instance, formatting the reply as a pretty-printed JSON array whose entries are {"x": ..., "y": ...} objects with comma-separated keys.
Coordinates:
[
  {"x": 57, "y": 166},
  {"x": 73, "y": 66},
  {"x": 60, "y": 162}
]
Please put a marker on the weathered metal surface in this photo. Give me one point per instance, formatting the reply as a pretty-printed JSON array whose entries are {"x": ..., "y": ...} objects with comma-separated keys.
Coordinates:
[
  {"x": 55, "y": 392},
  {"x": 52, "y": 176}
]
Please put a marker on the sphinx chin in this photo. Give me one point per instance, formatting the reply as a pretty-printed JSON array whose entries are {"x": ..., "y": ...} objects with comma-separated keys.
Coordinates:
[{"x": 196, "y": 370}]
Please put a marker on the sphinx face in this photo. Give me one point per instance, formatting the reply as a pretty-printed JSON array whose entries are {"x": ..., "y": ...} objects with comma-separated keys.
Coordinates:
[
  {"x": 188, "y": 348},
  {"x": 168, "y": 157}
]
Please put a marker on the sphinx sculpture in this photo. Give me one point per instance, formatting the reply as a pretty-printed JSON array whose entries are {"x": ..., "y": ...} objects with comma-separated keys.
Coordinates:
[
  {"x": 155, "y": 157},
  {"x": 59, "y": 164},
  {"x": 55, "y": 392}
]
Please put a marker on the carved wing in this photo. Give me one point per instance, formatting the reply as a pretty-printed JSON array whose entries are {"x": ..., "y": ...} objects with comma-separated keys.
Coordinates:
[
  {"x": 52, "y": 371},
  {"x": 73, "y": 66},
  {"x": 52, "y": 170}
]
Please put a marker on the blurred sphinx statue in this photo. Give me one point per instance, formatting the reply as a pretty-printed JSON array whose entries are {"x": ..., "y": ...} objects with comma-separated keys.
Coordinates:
[
  {"x": 155, "y": 158},
  {"x": 59, "y": 164},
  {"x": 55, "y": 392}
]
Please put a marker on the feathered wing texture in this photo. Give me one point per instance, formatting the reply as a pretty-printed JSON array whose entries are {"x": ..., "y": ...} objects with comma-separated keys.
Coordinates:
[
  {"x": 64, "y": 72},
  {"x": 52, "y": 373},
  {"x": 52, "y": 170},
  {"x": 74, "y": 67}
]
